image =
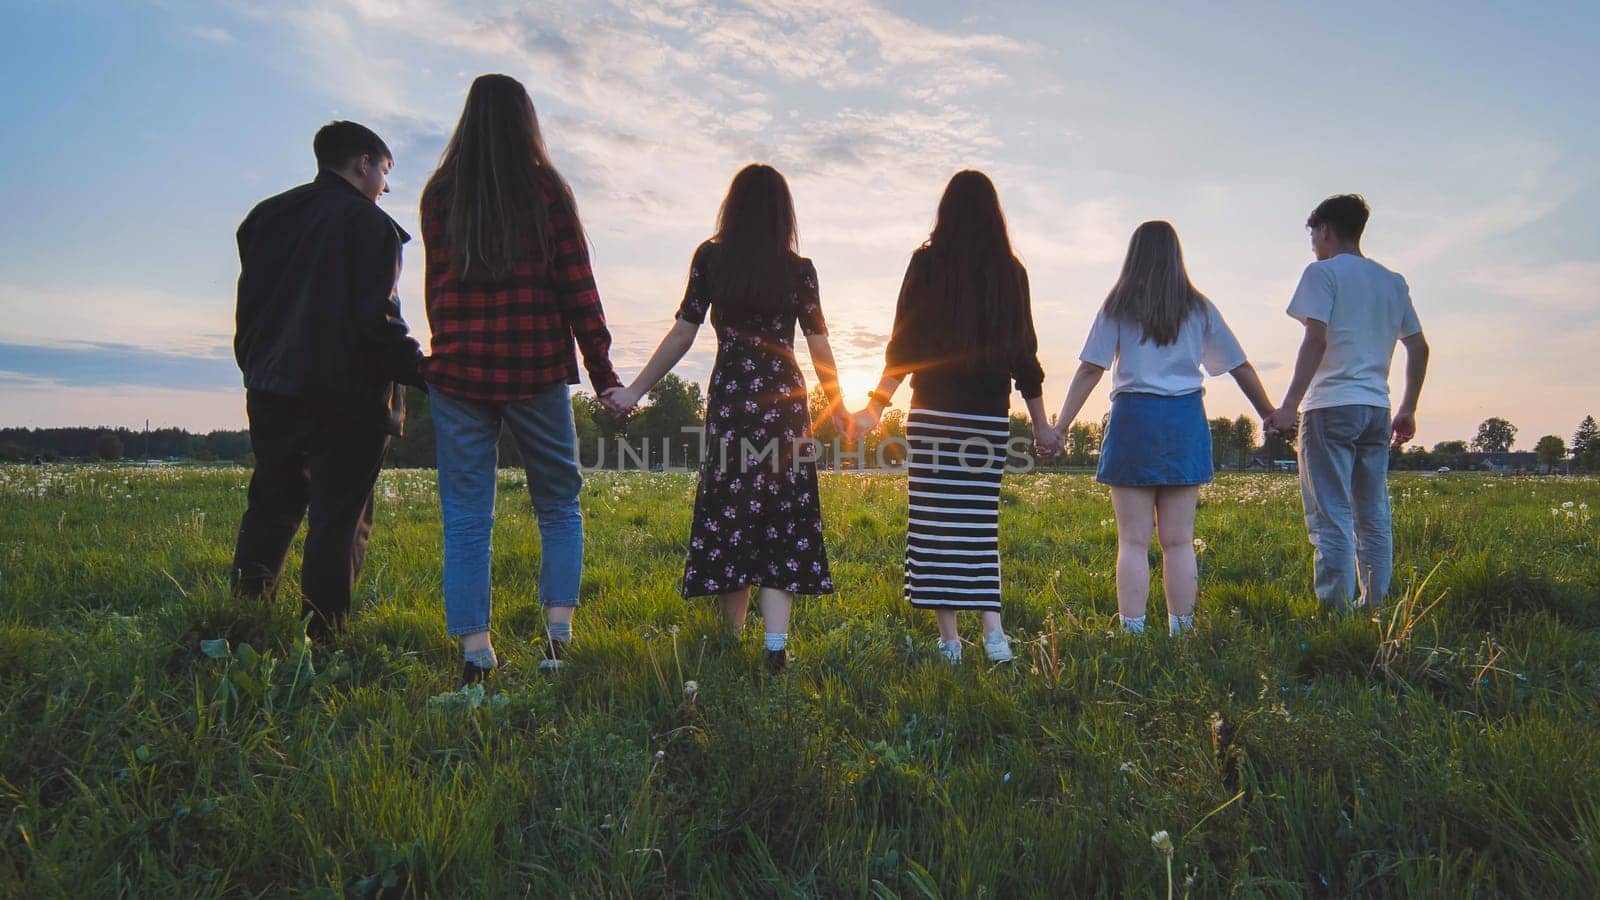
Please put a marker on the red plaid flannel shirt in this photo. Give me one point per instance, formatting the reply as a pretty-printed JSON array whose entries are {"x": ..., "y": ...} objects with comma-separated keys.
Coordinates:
[{"x": 512, "y": 340}]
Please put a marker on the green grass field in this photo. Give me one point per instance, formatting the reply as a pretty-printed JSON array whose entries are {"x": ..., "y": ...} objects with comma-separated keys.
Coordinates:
[{"x": 1449, "y": 746}]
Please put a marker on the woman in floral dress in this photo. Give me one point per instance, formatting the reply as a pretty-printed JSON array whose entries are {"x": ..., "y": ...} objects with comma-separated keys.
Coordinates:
[{"x": 757, "y": 517}]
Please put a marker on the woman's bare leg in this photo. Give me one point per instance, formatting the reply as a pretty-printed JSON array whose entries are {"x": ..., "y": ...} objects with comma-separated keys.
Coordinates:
[
  {"x": 775, "y": 606},
  {"x": 1135, "y": 509},
  {"x": 1175, "y": 529},
  {"x": 735, "y": 606}
]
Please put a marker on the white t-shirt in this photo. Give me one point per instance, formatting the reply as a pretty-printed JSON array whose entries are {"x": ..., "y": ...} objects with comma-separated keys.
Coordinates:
[
  {"x": 1367, "y": 309},
  {"x": 1139, "y": 366}
]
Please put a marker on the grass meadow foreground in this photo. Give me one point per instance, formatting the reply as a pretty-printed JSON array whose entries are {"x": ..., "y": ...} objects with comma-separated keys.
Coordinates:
[{"x": 158, "y": 739}]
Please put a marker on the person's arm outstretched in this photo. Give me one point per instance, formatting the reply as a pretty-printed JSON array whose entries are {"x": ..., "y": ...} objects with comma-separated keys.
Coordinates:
[
  {"x": 1285, "y": 419},
  {"x": 897, "y": 356},
  {"x": 1250, "y": 383},
  {"x": 580, "y": 300},
  {"x": 1084, "y": 381},
  {"x": 1404, "y": 426},
  {"x": 1029, "y": 376},
  {"x": 815, "y": 327},
  {"x": 828, "y": 378},
  {"x": 1047, "y": 441},
  {"x": 1100, "y": 349},
  {"x": 680, "y": 337}
]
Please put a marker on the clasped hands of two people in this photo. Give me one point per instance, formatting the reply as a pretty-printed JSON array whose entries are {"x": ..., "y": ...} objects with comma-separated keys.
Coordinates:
[
  {"x": 621, "y": 402},
  {"x": 1284, "y": 422},
  {"x": 1049, "y": 441}
]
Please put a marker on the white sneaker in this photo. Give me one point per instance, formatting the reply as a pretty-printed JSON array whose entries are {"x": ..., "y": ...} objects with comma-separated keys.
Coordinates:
[
  {"x": 997, "y": 647},
  {"x": 555, "y": 656},
  {"x": 951, "y": 651}
]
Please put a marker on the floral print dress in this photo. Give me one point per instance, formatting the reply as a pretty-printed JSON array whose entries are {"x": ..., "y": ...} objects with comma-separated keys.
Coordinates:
[{"x": 757, "y": 518}]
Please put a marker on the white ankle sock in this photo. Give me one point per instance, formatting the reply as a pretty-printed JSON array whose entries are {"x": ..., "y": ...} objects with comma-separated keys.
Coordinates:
[
  {"x": 777, "y": 641},
  {"x": 1179, "y": 624},
  {"x": 1132, "y": 624}
]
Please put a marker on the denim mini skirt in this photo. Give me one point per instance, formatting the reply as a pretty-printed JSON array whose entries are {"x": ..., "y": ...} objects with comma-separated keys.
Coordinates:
[{"x": 1156, "y": 441}]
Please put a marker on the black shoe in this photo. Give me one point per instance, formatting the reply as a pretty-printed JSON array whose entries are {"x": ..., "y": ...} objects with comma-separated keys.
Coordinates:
[
  {"x": 472, "y": 673},
  {"x": 322, "y": 626},
  {"x": 777, "y": 661},
  {"x": 555, "y": 656}
]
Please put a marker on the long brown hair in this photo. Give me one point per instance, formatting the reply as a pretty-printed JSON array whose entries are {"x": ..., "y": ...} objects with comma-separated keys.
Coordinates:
[
  {"x": 974, "y": 280},
  {"x": 1154, "y": 290},
  {"x": 495, "y": 170},
  {"x": 759, "y": 241}
]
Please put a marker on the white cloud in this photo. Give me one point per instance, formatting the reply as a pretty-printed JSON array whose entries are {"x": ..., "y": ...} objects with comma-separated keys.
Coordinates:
[
  {"x": 212, "y": 34},
  {"x": 1531, "y": 180},
  {"x": 1569, "y": 286},
  {"x": 650, "y": 108},
  {"x": 157, "y": 320}
]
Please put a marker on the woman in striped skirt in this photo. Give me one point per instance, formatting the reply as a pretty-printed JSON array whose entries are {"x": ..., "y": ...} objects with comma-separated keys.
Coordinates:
[{"x": 963, "y": 332}]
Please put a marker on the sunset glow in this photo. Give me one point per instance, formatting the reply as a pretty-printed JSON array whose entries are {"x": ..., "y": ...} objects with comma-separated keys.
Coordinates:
[{"x": 116, "y": 280}]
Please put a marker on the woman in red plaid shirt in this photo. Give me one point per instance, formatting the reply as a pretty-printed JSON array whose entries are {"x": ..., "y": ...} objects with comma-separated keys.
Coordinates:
[{"x": 508, "y": 289}]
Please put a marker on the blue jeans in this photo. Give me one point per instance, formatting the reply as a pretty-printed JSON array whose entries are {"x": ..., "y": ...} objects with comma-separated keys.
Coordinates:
[
  {"x": 1344, "y": 483},
  {"x": 468, "y": 432}
]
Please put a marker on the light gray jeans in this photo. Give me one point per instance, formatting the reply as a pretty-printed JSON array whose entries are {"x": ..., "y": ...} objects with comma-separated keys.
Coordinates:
[{"x": 1344, "y": 483}]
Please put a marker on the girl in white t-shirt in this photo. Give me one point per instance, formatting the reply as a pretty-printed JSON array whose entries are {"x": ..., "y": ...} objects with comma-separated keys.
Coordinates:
[{"x": 1155, "y": 332}]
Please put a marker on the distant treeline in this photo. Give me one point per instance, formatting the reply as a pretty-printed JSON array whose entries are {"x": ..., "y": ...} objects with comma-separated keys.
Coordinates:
[
  {"x": 654, "y": 433},
  {"x": 655, "y": 437},
  {"x": 109, "y": 444}
]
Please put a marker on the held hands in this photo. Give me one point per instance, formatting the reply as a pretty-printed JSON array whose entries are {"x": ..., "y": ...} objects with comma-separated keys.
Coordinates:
[
  {"x": 620, "y": 401},
  {"x": 864, "y": 422},
  {"x": 1282, "y": 422},
  {"x": 1048, "y": 441},
  {"x": 843, "y": 422}
]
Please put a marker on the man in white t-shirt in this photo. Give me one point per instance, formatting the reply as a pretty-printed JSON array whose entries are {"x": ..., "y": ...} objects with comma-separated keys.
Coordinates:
[{"x": 1354, "y": 311}]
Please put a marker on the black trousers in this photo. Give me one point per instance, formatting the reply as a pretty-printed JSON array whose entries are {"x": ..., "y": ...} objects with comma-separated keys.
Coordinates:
[{"x": 312, "y": 454}]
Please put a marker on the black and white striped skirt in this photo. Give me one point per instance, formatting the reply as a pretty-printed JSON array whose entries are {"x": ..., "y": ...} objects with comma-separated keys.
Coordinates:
[{"x": 952, "y": 547}]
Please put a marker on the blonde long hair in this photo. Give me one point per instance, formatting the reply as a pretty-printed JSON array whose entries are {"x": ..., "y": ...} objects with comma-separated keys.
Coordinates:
[{"x": 1154, "y": 290}]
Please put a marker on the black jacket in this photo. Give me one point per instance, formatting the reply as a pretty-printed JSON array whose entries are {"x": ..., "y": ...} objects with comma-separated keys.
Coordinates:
[{"x": 318, "y": 313}]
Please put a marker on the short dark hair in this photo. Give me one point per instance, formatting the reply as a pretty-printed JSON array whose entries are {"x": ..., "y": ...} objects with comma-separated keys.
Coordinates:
[
  {"x": 337, "y": 143},
  {"x": 1346, "y": 214}
]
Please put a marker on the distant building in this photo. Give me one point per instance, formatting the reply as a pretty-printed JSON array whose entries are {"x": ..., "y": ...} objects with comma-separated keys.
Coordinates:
[
  {"x": 1507, "y": 463},
  {"x": 1260, "y": 463}
]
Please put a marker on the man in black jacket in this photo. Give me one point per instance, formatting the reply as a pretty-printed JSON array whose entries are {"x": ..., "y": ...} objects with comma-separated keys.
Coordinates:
[{"x": 324, "y": 351}]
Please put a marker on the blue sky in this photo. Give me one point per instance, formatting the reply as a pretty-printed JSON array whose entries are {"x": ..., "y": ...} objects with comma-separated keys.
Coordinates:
[{"x": 138, "y": 135}]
